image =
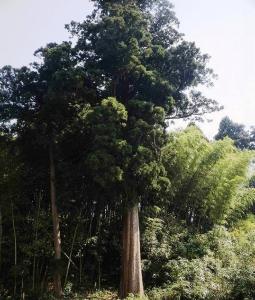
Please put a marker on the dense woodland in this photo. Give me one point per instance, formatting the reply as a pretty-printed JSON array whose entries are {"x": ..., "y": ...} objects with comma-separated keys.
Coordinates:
[{"x": 99, "y": 197}]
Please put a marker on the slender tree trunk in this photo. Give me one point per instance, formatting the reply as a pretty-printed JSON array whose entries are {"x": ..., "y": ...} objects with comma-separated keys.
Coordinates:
[
  {"x": 80, "y": 269},
  {"x": 71, "y": 253},
  {"x": 36, "y": 237},
  {"x": 22, "y": 293},
  {"x": 56, "y": 227},
  {"x": 15, "y": 251},
  {"x": 131, "y": 281},
  {"x": 44, "y": 279}
]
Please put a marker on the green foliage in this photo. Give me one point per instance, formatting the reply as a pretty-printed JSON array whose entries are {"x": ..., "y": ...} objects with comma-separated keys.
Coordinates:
[
  {"x": 205, "y": 177},
  {"x": 243, "y": 139},
  {"x": 220, "y": 267},
  {"x": 148, "y": 59},
  {"x": 179, "y": 260},
  {"x": 102, "y": 104},
  {"x": 104, "y": 295},
  {"x": 106, "y": 123}
]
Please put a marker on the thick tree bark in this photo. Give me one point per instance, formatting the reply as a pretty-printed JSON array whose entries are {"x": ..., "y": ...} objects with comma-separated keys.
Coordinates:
[
  {"x": 131, "y": 281},
  {"x": 56, "y": 227}
]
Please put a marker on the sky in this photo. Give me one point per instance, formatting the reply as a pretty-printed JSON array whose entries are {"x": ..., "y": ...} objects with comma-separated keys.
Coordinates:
[{"x": 225, "y": 29}]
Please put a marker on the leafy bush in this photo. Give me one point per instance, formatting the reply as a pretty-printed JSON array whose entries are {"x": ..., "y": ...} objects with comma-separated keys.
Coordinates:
[{"x": 214, "y": 265}]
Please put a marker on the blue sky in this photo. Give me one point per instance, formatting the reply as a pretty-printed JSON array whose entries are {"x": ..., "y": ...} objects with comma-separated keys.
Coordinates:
[{"x": 225, "y": 29}]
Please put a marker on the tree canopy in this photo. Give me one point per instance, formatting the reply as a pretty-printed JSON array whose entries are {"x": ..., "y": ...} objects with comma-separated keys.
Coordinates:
[{"x": 243, "y": 138}]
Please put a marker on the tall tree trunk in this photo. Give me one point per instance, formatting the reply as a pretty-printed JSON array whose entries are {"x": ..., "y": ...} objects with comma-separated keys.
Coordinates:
[
  {"x": 15, "y": 251},
  {"x": 56, "y": 228},
  {"x": 131, "y": 281},
  {"x": 36, "y": 237}
]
